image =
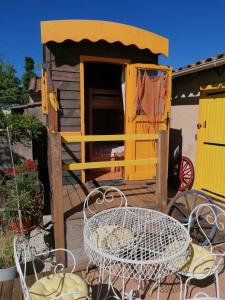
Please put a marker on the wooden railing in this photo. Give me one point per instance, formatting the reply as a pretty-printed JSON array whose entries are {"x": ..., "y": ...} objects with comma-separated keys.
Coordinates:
[
  {"x": 68, "y": 137},
  {"x": 161, "y": 160}
]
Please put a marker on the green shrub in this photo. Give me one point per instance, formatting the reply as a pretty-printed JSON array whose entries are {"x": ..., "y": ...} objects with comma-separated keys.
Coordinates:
[{"x": 22, "y": 128}]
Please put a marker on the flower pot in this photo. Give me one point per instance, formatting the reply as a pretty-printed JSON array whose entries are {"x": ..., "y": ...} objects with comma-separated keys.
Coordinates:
[
  {"x": 8, "y": 273},
  {"x": 27, "y": 223}
]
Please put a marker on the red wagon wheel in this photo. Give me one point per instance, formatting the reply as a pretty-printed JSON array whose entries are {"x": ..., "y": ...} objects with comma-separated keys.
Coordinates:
[{"x": 186, "y": 173}]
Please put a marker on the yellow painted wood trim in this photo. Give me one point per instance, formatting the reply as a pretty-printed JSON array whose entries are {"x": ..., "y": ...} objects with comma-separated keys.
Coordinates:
[
  {"x": 94, "y": 31},
  {"x": 126, "y": 144},
  {"x": 88, "y": 58},
  {"x": 82, "y": 112},
  {"x": 115, "y": 137},
  {"x": 108, "y": 164},
  {"x": 152, "y": 67},
  {"x": 44, "y": 95},
  {"x": 128, "y": 114}
]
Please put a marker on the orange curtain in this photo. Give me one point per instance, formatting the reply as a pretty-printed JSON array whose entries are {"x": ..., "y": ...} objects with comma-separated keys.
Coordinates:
[{"x": 151, "y": 95}]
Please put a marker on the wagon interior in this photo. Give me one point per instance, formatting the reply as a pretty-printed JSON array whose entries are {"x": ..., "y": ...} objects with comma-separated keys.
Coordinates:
[{"x": 104, "y": 115}]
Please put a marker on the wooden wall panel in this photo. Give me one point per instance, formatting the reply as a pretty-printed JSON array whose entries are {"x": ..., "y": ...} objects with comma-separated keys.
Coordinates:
[
  {"x": 69, "y": 95},
  {"x": 68, "y": 128},
  {"x": 69, "y": 103},
  {"x": 71, "y": 153},
  {"x": 70, "y": 113},
  {"x": 67, "y": 86},
  {"x": 65, "y": 76}
]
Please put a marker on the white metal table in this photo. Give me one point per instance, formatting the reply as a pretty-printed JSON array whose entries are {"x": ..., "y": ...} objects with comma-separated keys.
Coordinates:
[{"x": 135, "y": 243}]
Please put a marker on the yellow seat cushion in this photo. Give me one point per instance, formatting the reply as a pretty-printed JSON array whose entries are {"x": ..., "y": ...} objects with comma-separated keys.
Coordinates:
[
  {"x": 111, "y": 236},
  {"x": 195, "y": 252},
  {"x": 188, "y": 266},
  {"x": 54, "y": 285}
]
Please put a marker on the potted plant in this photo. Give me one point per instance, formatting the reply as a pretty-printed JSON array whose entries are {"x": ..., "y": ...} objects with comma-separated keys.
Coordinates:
[
  {"x": 7, "y": 264},
  {"x": 22, "y": 191}
]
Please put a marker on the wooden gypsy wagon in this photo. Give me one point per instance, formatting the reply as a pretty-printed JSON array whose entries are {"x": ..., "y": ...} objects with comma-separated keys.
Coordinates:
[{"x": 107, "y": 102}]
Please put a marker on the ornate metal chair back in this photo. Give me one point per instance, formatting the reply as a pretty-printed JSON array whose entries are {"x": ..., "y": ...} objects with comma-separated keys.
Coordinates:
[
  {"x": 104, "y": 196},
  {"x": 203, "y": 217},
  {"x": 209, "y": 260}
]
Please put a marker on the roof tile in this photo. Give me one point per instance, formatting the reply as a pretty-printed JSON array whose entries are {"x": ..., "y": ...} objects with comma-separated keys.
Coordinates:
[{"x": 201, "y": 62}]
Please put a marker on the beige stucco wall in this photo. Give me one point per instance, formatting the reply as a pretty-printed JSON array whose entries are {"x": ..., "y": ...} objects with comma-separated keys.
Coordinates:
[{"x": 184, "y": 118}]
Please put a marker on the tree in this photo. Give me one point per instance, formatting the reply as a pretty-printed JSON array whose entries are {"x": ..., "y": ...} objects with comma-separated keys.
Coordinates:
[
  {"x": 10, "y": 90},
  {"x": 29, "y": 72},
  {"x": 26, "y": 78}
]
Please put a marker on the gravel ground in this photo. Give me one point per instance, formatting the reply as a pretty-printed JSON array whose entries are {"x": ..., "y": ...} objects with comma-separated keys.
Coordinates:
[{"x": 41, "y": 240}]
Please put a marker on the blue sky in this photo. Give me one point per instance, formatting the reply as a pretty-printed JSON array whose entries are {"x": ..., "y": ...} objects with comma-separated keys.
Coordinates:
[{"x": 195, "y": 28}]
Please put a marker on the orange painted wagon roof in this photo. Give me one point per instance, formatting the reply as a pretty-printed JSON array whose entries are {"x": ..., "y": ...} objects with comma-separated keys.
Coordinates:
[{"x": 78, "y": 30}]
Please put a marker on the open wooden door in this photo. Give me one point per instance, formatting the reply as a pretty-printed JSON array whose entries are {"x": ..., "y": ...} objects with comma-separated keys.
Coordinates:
[{"x": 138, "y": 124}]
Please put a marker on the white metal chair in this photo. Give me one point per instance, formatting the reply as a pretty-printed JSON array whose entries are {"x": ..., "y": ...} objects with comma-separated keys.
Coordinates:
[
  {"x": 103, "y": 195},
  {"x": 204, "y": 261},
  {"x": 109, "y": 196},
  {"x": 59, "y": 285}
]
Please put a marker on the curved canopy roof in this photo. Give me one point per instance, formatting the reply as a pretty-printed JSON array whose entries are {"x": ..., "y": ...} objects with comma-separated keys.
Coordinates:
[{"x": 78, "y": 30}]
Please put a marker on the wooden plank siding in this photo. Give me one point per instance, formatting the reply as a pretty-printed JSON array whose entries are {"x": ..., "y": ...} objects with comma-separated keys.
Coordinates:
[
  {"x": 65, "y": 75},
  {"x": 63, "y": 61},
  {"x": 71, "y": 153}
]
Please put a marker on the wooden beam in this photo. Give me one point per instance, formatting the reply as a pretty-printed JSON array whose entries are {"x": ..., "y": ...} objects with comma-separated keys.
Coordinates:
[
  {"x": 100, "y": 138},
  {"x": 108, "y": 164},
  {"x": 162, "y": 171},
  {"x": 57, "y": 194}
]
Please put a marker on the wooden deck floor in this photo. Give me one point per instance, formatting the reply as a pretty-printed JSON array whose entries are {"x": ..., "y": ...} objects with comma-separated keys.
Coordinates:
[
  {"x": 169, "y": 290},
  {"x": 139, "y": 194}
]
